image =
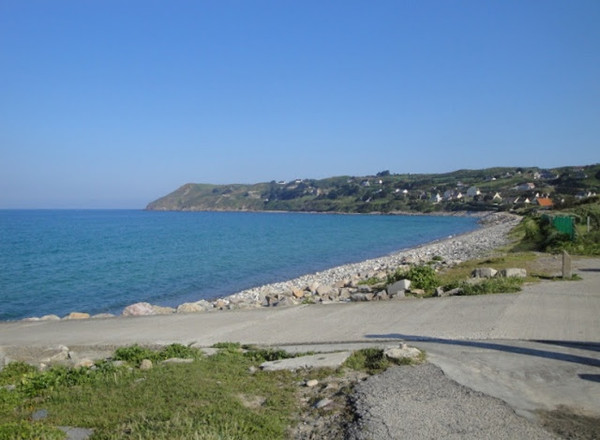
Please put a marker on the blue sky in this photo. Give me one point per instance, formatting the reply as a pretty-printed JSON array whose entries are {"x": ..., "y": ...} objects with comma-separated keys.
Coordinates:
[{"x": 111, "y": 104}]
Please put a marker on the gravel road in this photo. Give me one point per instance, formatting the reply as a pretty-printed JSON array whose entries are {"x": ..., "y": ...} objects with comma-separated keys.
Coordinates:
[{"x": 421, "y": 402}]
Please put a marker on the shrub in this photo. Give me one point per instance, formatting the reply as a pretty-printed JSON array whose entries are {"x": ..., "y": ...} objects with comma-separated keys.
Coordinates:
[{"x": 371, "y": 360}]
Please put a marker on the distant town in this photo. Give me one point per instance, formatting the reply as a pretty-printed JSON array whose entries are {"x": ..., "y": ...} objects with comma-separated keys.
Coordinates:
[{"x": 505, "y": 188}]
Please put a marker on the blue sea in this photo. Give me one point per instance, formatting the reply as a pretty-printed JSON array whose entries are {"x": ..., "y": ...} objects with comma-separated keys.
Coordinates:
[{"x": 96, "y": 261}]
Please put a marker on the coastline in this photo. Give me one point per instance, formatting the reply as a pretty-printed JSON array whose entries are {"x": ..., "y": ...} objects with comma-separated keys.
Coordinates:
[{"x": 338, "y": 284}]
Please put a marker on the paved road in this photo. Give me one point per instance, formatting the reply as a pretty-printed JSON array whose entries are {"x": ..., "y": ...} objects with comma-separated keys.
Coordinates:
[{"x": 534, "y": 350}]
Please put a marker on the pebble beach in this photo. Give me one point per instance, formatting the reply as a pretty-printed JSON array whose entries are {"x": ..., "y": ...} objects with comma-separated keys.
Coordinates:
[{"x": 342, "y": 283}]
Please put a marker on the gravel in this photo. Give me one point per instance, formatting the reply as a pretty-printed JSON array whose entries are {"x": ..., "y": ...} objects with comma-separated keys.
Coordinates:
[{"x": 420, "y": 402}]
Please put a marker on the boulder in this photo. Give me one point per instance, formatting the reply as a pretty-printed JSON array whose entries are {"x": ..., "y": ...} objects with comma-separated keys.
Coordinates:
[
  {"x": 418, "y": 292},
  {"x": 344, "y": 294},
  {"x": 484, "y": 272},
  {"x": 84, "y": 363},
  {"x": 312, "y": 383},
  {"x": 402, "y": 352},
  {"x": 298, "y": 293},
  {"x": 103, "y": 316},
  {"x": 327, "y": 291},
  {"x": 398, "y": 295},
  {"x": 177, "y": 361},
  {"x": 382, "y": 296},
  {"x": 358, "y": 297},
  {"x": 190, "y": 308},
  {"x": 284, "y": 301},
  {"x": 146, "y": 364},
  {"x": 77, "y": 315},
  {"x": 513, "y": 272},
  {"x": 139, "y": 309},
  {"x": 398, "y": 286},
  {"x": 50, "y": 318},
  {"x": 323, "y": 403}
]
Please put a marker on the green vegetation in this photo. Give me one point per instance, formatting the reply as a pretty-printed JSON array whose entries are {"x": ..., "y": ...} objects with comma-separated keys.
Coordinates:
[
  {"x": 538, "y": 232},
  {"x": 223, "y": 396},
  {"x": 422, "y": 277},
  {"x": 492, "y": 285},
  {"x": 374, "y": 361},
  {"x": 387, "y": 192}
]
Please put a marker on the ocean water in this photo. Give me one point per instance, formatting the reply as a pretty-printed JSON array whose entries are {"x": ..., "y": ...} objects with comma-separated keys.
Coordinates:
[{"x": 99, "y": 261}]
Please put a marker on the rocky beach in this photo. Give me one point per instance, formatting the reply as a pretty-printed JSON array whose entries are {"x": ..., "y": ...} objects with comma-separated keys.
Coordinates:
[{"x": 344, "y": 283}]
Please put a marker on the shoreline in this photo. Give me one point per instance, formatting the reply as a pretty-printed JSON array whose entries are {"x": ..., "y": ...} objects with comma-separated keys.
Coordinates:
[{"x": 339, "y": 283}]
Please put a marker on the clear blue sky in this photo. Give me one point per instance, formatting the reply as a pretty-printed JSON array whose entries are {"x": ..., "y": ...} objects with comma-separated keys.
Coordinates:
[{"x": 111, "y": 103}]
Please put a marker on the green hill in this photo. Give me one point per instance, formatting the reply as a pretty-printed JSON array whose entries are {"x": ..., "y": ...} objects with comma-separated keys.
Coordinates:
[{"x": 492, "y": 188}]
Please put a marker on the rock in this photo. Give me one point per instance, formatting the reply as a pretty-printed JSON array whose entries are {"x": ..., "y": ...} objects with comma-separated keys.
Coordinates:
[
  {"x": 323, "y": 403},
  {"x": 77, "y": 315},
  {"x": 84, "y": 363},
  {"x": 322, "y": 360},
  {"x": 50, "y": 318},
  {"x": 40, "y": 414},
  {"x": 103, "y": 316},
  {"x": 312, "y": 383},
  {"x": 177, "y": 361},
  {"x": 76, "y": 433},
  {"x": 252, "y": 369},
  {"x": 453, "y": 292},
  {"x": 146, "y": 364},
  {"x": 418, "y": 292},
  {"x": 190, "y": 308},
  {"x": 118, "y": 364},
  {"x": 358, "y": 297},
  {"x": 285, "y": 301},
  {"x": 484, "y": 272},
  {"x": 398, "y": 286},
  {"x": 298, "y": 293},
  {"x": 399, "y": 295},
  {"x": 160, "y": 310},
  {"x": 139, "y": 309},
  {"x": 513, "y": 272},
  {"x": 402, "y": 352},
  {"x": 439, "y": 292},
  {"x": 326, "y": 291},
  {"x": 382, "y": 296}
]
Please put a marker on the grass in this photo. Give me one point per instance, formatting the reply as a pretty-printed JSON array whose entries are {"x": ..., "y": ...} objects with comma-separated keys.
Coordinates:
[
  {"x": 223, "y": 396},
  {"x": 202, "y": 399},
  {"x": 462, "y": 271},
  {"x": 374, "y": 361}
]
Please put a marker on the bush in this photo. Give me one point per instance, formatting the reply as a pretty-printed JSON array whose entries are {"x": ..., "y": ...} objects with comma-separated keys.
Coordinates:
[{"x": 422, "y": 277}]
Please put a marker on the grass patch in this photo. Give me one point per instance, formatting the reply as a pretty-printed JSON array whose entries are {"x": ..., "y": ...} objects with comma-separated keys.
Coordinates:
[
  {"x": 201, "y": 399},
  {"x": 456, "y": 274},
  {"x": 493, "y": 285},
  {"x": 374, "y": 361}
]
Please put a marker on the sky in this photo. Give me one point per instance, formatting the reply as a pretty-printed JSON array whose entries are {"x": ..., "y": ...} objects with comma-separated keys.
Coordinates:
[{"x": 112, "y": 104}]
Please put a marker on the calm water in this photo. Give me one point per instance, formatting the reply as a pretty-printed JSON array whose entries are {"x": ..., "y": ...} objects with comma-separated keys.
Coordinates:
[{"x": 101, "y": 261}]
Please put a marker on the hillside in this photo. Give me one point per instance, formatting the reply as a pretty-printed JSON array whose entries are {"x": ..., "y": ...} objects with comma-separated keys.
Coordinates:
[{"x": 514, "y": 188}]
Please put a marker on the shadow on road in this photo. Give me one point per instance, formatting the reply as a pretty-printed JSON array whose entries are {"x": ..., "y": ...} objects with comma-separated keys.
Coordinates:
[
  {"x": 590, "y": 377},
  {"x": 498, "y": 347},
  {"x": 591, "y": 346}
]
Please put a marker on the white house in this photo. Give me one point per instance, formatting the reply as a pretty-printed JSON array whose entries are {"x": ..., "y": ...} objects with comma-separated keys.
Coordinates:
[{"x": 436, "y": 198}]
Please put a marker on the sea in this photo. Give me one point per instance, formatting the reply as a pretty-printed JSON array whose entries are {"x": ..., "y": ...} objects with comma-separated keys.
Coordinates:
[{"x": 100, "y": 261}]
